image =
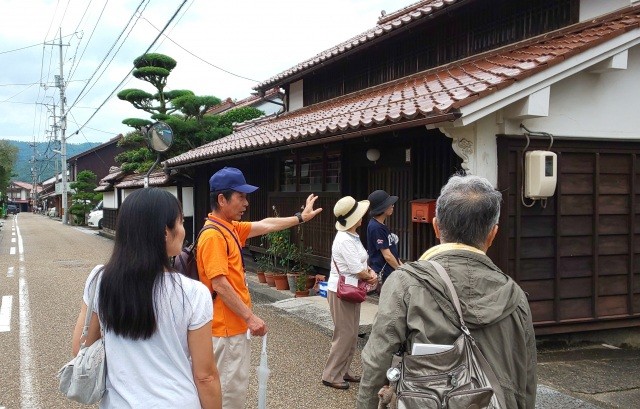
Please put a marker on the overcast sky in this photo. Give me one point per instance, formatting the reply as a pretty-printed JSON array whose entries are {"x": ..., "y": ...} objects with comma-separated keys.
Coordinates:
[{"x": 254, "y": 39}]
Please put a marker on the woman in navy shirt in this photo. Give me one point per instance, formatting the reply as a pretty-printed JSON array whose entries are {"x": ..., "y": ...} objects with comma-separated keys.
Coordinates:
[{"x": 382, "y": 245}]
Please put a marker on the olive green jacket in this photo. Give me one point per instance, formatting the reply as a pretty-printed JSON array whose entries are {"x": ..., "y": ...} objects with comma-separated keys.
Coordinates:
[{"x": 494, "y": 308}]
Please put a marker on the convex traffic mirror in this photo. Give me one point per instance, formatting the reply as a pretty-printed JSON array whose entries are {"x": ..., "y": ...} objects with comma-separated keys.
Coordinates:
[{"x": 159, "y": 137}]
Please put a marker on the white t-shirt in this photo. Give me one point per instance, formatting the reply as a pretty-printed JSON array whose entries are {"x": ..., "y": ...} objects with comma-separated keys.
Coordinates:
[
  {"x": 349, "y": 254},
  {"x": 157, "y": 372}
]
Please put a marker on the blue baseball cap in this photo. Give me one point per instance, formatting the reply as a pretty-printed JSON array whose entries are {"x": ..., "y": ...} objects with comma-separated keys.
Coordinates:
[{"x": 230, "y": 178}]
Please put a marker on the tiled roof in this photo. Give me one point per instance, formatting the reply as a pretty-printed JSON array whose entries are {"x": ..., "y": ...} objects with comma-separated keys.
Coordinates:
[
  {"x": 114, "y": 174},
  {"x": 103, "y": 188},
  {"x": 158, "y": 178},
  {"x": 222, "y": 106},
  {"x": 23, "y": 185},
  {"x": 425, "y": 96},
  {"x": 386, "y": 25},
  {"x": 229, "y": 103}
]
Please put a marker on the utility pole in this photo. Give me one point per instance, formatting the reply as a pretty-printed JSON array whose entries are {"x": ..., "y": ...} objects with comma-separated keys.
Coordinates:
[
  {"x": 59, "y": 83},
  {"x": 34, "y": 186}
]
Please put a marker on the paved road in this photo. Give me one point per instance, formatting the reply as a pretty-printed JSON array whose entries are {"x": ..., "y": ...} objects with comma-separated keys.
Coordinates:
[{"x": 43, "y": 265}]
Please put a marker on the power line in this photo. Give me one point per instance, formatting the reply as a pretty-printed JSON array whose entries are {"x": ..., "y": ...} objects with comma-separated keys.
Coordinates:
[
  {"x": 80, "y": 96},
  {"x": 35, "y": 83},
  {"x": 85, "y": 138},
  {"x": 201, "y": 59},
  {"x": 90, "y": 36},
  {"x": 131, "y": 70},
  {"x": 19, "y": 49}
]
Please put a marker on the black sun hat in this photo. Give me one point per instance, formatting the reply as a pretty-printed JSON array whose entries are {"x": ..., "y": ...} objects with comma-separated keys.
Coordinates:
[{"x": 380, "y": 201}]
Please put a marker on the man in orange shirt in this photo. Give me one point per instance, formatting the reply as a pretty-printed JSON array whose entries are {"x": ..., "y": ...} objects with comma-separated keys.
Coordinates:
[{"x": 221, "y": 268}]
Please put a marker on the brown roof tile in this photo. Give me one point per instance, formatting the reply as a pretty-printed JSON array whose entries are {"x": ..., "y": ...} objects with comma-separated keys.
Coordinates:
[
  {"x": 229, "y": 103},
  {"x": 425, "y": 95},
  {"x": 158, "y": 178}
]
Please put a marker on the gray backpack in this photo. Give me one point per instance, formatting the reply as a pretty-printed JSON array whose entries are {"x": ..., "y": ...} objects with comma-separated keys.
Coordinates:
[{"x": 457, "y": 378}]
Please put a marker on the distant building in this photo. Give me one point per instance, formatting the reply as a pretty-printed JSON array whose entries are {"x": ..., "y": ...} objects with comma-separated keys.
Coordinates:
[
  {"x": 270, "y": 102},
  {"x": 22, "y": 194}
]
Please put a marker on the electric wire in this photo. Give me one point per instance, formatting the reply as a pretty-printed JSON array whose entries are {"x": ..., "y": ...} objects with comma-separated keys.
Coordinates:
[
  {"x": 90, "y": 36},
  {"x": 53, "y": 17},
  {"x": 80, "y": 96},
  {"x": 130, "y": 71},
  {"x": 85, "y": 138},
  {"x": 75, "y": 54},
  {"x": 174, "y": 25},
  {"x": 201, "y": 59}
]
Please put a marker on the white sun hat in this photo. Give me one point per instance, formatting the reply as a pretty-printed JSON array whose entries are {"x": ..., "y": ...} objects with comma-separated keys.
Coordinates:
[{"x": 348, "y": 212}]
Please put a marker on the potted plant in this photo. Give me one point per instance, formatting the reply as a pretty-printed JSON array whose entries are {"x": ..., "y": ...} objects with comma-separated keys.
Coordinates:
[
  {"x": 285, "y": 251},
  {"x": 264, "y": 266},
  {"x": 279, "y": 250},
  {"x": 301, "y": 285}
]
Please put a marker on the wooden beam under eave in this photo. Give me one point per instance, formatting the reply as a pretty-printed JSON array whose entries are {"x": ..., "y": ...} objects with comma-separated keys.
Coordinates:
[
  {"x": 615, "y": 63},
  {"x": 535, "y": 105}
]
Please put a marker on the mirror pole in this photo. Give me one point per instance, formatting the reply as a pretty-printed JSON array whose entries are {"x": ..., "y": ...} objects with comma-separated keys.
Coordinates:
[{"x": 146, "y": 177}]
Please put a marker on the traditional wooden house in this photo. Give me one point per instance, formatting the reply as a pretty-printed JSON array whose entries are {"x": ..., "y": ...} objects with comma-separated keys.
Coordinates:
[
  {"x": 22, "y": 194},
  {"x": 98, "y": 159},
  {"x": 117, "y": 185},
  {"x": 443, "y": 86},
  {"x": 269, "y": 102}
]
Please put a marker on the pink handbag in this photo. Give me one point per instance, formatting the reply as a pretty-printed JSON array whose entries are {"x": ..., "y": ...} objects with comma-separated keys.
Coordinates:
[{"x": 348, "y": 292}]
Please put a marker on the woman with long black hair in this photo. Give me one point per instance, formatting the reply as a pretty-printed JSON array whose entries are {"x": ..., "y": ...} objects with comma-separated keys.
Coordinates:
[{"x": 156, "y": 322}]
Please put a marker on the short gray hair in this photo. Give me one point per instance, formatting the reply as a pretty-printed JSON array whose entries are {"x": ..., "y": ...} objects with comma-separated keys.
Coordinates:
[{"x": 467, "y": 210}]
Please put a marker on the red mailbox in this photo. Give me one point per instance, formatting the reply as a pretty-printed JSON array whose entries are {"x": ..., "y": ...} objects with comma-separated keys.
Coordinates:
[{"x": 423, "y": 210}]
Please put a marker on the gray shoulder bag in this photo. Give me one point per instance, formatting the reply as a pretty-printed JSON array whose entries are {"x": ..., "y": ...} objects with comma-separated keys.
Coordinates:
[
  {"x": 457, "y": 378},
  {"x": 83, "y": 379}
]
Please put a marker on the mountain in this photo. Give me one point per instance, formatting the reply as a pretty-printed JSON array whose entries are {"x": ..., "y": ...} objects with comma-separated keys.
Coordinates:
[{"x": 45, "y": 158}]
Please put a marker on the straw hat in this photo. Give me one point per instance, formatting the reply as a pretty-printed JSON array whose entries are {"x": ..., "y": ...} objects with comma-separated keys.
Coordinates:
[{"x": 348, "y": 212}]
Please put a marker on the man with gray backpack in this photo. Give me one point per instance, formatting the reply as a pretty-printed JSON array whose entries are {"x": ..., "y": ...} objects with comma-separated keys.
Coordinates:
[{"x": 452, "y": 330}]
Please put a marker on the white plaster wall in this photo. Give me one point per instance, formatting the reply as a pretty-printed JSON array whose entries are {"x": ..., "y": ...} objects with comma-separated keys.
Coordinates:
[
  {"x": 187, "y": 198},
  {"x": 593, "y": 8},
  {"x": 109, "y": 200},
  {"x": 127, "y": 192},
  {"x": 595, "y": 105},
  {"x": 269, "y": 108},
  {"x": 295, "y": 95},
  {"x": 187, "y": 201},
  {"x": 476, "y": 145},
  {"x": 486, "y": 151}
]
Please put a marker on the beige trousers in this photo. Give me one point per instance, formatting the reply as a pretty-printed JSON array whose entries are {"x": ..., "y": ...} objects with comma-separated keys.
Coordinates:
[
  {"x": 233, "y": 358},
  {"x": 346, "y": 319}
]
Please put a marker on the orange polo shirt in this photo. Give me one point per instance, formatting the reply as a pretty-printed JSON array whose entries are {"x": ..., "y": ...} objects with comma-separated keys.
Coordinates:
[{"x": 213, "y": 261}]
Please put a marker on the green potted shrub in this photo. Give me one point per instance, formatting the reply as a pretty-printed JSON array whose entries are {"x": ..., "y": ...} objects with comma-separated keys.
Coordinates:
[
  {"x": 264, "y": 266},
  {"x": 301, "y": 285}
]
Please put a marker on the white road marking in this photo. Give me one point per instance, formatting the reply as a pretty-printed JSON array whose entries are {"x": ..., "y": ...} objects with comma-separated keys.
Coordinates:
[
  {"x": 28, "y": 368},
  {"x": 20, "y": 246},
  {"x": 10, "y": 271},
  {"x": 12, "y": 251},
  {"x": 5, "y": 313},
  {"x": 28, "y": 384},
  {"x": 13, "y": 240}
]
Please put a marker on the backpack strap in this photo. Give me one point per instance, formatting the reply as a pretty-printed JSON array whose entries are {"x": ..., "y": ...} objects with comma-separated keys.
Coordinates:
[
  {"x": 194, "y": 250},
  {"x": 486, "y": 368},
  {"x": 207, "y": 227}
]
